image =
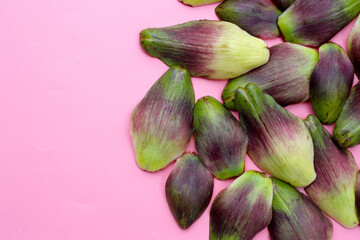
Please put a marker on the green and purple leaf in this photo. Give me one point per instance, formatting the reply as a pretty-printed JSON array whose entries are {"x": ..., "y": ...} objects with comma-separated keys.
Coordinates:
[
  {"x": 243, "y": 209},
  {"x": 330, "y": 82},
  {"x": 188, "y": 189},
  {"x": 279, "y": 142},
  {"x": 314, "y": 22},
  {"x": 161, "y": 124},
  {"x": 257, "y": 17},
  {"x": 219, "y": 138},
  {"x": 210, "y": 49},
  {"x": 347, "y": 130},
  {"x": 333, "y": 191},
  {"x": 285, "y": 77},
  {"x": 295, "y": 216}
]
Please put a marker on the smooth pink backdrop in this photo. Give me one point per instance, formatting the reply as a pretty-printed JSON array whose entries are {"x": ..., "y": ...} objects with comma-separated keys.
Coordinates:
[{"x": 71, "y": 72}]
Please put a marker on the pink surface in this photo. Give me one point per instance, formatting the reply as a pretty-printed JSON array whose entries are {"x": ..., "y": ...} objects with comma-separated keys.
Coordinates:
[{"x": 71, "y": 72}]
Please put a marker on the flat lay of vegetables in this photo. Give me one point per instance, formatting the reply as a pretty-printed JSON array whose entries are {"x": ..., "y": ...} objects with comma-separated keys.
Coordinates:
[{"x": 307, "y": 178}]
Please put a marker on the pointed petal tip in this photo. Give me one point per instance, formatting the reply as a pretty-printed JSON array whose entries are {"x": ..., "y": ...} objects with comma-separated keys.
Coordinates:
[
  {"x": 311, "y": 121},
  {"x": 145, "y": 38},
  {"x": 249, "y": 89},
  {"x": 253, "y": 89}
]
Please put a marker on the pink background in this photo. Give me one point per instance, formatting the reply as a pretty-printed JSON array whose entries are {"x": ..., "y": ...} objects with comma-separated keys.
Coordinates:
[{"x": 71, "y": 72}]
